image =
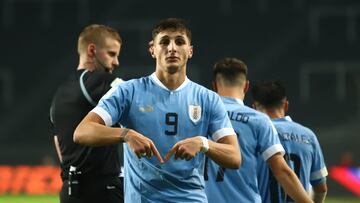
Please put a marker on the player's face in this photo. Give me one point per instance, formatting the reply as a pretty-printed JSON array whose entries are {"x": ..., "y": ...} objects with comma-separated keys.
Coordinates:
[
  {"x": 106, "y": 56},
  {"x": 172, "y": 50}
]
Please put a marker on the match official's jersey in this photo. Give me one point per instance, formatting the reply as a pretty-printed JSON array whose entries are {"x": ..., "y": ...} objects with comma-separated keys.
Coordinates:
[
  {"x": 75, "y": 97},
  {"x": 166, "y": 117},
  {"x": 258, "y": 138},
  {"x": 303, "y": 155}
]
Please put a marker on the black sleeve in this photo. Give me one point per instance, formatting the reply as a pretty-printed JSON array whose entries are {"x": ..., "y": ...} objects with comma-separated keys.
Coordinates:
[
  {"x": 53, "y": 130},
  {"x": 97, "y": 83}
]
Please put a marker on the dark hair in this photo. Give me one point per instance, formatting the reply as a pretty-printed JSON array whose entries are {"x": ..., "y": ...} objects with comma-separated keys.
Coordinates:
[
  {"x": 230, "y": 69},
  {"x": 269, "y": 94},
  {"x": 175, "y": 24}
]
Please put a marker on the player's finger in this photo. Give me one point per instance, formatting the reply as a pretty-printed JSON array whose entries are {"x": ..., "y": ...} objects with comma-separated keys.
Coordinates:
[
  {"x": 188, "y": 157},
  {"x": 156, "y": 152},
  {"x": 170, "y": 153},
  {"x": 179, "y": 153},
  {"x": 148, "y": 153},
  {"x": 138, "y": 154}
]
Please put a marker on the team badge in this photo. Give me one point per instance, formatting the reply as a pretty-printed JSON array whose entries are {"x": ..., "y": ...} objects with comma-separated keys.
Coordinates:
[
  {"x": 146, "y": 108},
  {"x": 195, "y": 113}
]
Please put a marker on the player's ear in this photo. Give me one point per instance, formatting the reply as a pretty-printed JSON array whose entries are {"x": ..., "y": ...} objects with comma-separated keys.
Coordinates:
[
  {"x": 190, "y": 52},
  {"x": 246, "y": 86},
  {"x": 91, "y": 49},
  {"x": 151, "y": 48},
  {"x": 214, "y": 85},
  {"x": 286, "y": 106}
]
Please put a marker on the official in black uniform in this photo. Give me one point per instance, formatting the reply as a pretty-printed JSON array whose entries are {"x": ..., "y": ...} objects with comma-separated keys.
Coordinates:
[{"x": 94, "y": 170}]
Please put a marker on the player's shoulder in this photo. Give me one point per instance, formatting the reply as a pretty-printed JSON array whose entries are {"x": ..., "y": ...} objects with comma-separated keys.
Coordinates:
[
  {"x": 135, "y": 82},
  {"x": 296, "y": 125},
  {"x": 95, "y": 79},
  {"x": 303, "y": 127},
  {"x": 258, "y": 117},
  {"x": 97, "y": 75},
  {"x": 202, "y": 89}
]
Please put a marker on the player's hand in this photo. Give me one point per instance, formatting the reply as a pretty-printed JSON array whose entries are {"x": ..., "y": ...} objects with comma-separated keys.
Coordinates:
[
  {"x": 185, "y": 149},
  {"x": 141, "y": 145}
]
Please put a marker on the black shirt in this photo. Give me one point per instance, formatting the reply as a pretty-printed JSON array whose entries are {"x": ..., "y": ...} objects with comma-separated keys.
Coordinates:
[{"x": 69, "y": 106}]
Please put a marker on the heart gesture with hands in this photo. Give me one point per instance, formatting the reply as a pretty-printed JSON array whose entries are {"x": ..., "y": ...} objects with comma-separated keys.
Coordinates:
[
  {"x": 141, "y": 145},
  {"x": 185, "y": 149}
]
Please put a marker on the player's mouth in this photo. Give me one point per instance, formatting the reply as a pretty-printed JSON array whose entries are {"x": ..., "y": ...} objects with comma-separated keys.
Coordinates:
[{"x": 172, "y": 59}]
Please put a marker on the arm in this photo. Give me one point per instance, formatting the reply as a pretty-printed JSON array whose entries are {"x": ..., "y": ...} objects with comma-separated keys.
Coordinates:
[
  {"x": 57, "y": 146},
  {"x": 287, "y": 178},
  {"x": 225, "y": 152},
  {"x": 319, "y": 192},
  {"x": 93, "y": 132}
]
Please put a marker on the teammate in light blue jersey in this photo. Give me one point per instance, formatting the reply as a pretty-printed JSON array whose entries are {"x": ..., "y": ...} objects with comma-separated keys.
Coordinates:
[
  {"x": 303, "y": 152},
  {"x": 257, "y": 137},
  {"x": 165, "y": 115}
]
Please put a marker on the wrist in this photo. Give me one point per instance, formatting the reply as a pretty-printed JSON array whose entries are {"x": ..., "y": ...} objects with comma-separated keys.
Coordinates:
[
  {"x": 124, "y": 135},
  {"x": 205, "y": 144}
]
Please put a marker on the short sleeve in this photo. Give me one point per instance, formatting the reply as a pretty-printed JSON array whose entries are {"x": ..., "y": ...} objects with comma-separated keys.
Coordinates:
[
  {"x": 114, "y": 104},
  {"x": 53, "y": 130},
  {"x": 318, "y": 168},
  {"x": 268, "y": 139},
  {"x": 220, "y": 125}
]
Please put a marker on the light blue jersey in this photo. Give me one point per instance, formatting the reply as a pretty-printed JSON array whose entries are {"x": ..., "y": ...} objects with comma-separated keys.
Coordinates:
[
  {"x": 165, "y": 117},
  {"x": 257, "y": 137},
  {"x": 303, "y": 155}
]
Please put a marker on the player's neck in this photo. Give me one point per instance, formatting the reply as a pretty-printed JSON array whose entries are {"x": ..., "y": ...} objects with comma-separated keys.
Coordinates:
[
  {"x": 85, "y": 63},
  {"x": 275, "y": 113},
  {"x": 232, "y": 93},
  {"x": 171, "y": 81}
]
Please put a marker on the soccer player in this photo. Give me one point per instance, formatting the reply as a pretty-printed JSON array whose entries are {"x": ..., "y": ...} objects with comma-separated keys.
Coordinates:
[
  {"x": 258, "y": 140},
  {"x": 303, "y": 152},
  {"x": 166, "y": 119},
  {"x": 98, "y": 49}
]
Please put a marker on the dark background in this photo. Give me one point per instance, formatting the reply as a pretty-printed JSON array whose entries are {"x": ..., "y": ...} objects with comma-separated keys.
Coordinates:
[{"x": 311, "y": 45}]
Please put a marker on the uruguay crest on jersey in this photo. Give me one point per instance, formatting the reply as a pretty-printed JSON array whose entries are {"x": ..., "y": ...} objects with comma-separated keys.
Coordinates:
[{"x": 195, "y": 113}]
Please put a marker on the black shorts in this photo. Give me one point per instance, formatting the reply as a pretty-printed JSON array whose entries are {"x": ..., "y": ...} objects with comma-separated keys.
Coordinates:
[{"x": 95, "y": 190}]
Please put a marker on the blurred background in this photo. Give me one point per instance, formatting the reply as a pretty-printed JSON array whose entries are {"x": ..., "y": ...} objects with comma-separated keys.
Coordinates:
[{"x": 312, "y": 46}]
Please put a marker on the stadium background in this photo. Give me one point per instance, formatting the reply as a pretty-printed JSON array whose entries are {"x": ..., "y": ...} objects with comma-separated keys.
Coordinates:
[{"x": 311, "y": 45}]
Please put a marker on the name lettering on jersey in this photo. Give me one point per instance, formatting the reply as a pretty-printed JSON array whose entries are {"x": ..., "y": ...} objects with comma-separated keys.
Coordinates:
[
  {"x": 146, "y": 108},
  {"x": 294, "y": 137},
  {"x": 238, "y": 117},
  {"x": 195, "y": 113}
]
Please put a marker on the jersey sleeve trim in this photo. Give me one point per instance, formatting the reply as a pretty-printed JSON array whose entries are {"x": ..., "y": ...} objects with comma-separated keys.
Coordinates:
[
  {"x": 104, "y": 115},
  {"x": 222, "y": 133},
  {"x": 269, "y": 152},
  {"x": 319, "y": 174},
  {"x": 116, "y": 82},
  {"x": 84, "y": 91}
]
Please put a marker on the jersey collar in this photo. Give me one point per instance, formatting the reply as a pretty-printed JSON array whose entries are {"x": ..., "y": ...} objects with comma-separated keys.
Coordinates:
[
  {"x": 154, "y": 78},
  {"x": 239, "y": 101},
  {"x": 286, "y": 118}
]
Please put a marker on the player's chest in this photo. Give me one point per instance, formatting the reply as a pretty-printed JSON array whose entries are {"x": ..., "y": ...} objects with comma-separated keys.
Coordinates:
[{"x": 168, "y": 110}]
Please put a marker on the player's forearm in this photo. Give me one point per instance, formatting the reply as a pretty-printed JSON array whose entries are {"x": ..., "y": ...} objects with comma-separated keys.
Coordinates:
[
  {"x": 292, "y": 186},
  {"x": 319, "y": 192},
  {"x": 226, "y": 154},
  {"x": 94, "y": 134},
  {"x": 319, "y": 197}
]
